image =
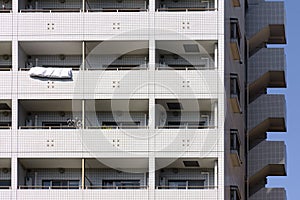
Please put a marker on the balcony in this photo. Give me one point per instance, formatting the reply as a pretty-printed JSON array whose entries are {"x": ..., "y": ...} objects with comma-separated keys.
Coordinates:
[
  {"x": 266, "y": 114},
  {"x": 186, "y": 55},
  {"x": 50, "y": 54},
  {"x": 49, "y": 114},
  {"x": 184, "y": 6},
  {"x": 99, "y": 174},
  {"x": 6, "y": 6},
  {"x": 117, "y": 55},
  {"x": 185, "y": 174},
  {"x": 5, "y": 56},
  {"x": 5, "y": 114},
  {"x": 117, "y": 114},
  {"x": 266, "y": 159},
  {"x": 59, "y": 62},
  {"x": 266, "y": 70},
  {"x": 50, "y": 6},
  {"x": 269, "y": 194},
  {"x": 265, "y": 24},
  {"x": 185, "y": 114},
  {"x": 116, "y": 6},
  {"x": 5, "y": 175}
]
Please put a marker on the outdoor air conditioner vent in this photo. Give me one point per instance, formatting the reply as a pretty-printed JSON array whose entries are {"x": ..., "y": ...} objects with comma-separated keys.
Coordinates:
[
  {"x": 191, "y": 48},
  {"x": 174, "y": 106},
  {"x": 191, "y": 163}
]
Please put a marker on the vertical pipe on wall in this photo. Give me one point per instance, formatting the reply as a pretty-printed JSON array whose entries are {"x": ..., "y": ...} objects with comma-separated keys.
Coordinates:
[
  {"x": 82, "y": 173},
  {"x": 216, "y": 173},
  {"x": 83, "y": 5},
  {"x": 83, "y": 56},
  {"x": 216, "y": 114},
  {"x": 216, "y": 56}
]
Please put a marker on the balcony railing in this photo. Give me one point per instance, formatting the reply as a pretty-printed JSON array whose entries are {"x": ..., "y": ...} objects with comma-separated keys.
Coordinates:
[
  {"x": 117, "y": 127},
  {"x": 120, "y": 67},
  {"x": 113, "y": 187},
  {"x": 75, "y": 68},
  {"x": 187, "y": 187},
  {"x": 117, "y": 10},
  {"x": 5, "y": 187},
  {"x": 185, "y": 9},
  {"x": 49, "y": 187},
  {"x": 51, "y": 10},
  {"x": 116, "y": 187},
  {"x": 186, "y": 127},
  {"x": 5, "y": 127},
  {"x": 5, "y": 11},
  {"x": 184, "y": 67},
  {"x": 47, "y": 127}
]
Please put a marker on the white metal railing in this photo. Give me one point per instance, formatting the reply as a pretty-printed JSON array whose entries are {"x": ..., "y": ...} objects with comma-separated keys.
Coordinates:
[
  {"x": 51, "y": 10},
  {"x": 117, "y": 127},
  {"x": 187, "y": 187},
  {"x": 186, "y": 9},
  {"x": 186, "y": 127}
]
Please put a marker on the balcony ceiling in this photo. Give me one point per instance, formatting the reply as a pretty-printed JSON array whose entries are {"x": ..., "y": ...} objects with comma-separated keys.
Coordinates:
[
  {"x": 52, "y": 48},
  {"x": 170, "y": 163},
  {"x": 8, "y": 102},
  {"x": 117, "y": 47},
  {"x": 177, "y": 47},
  {"x": 75, "y": 163},
  {"x": 120, "y": 105},
  {"x": 32, "y": 163},
  {"x": 118, "y": 163},
  {"x": 5, "y": 48},
  {"x": 50, "y": 105},
  {"x": 5, "y": 163},
  {"x": 189, "y": 104}
]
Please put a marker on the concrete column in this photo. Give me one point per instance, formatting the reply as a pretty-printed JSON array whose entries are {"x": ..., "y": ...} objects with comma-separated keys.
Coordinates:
[
  {"x": 15, "y": 5},
  {"x": 15, "y": 53},
  {"x": 216, "y": 4},
  {"x": 14, "y": 171},
  {"x": 151, "y": 114},
  {"x": 152, "y": 5},
  {"x": 151, "y": 172}
]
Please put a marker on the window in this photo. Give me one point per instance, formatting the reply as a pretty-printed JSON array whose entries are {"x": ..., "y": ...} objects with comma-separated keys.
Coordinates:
[
  {"x": 186, "y": 184},
  {"x": 234, "y": 86},
  {"x": 61, "y": 184},
  {"x": 121, "y": 184},
  {"x": 235, "y": 33},
  {"x": 234, "y": 193},
  {"x": 234, "y": 141}
]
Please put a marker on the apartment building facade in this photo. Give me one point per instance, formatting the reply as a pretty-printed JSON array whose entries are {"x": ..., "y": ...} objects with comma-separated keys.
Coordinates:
[{"x": 141, "y": 99}]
